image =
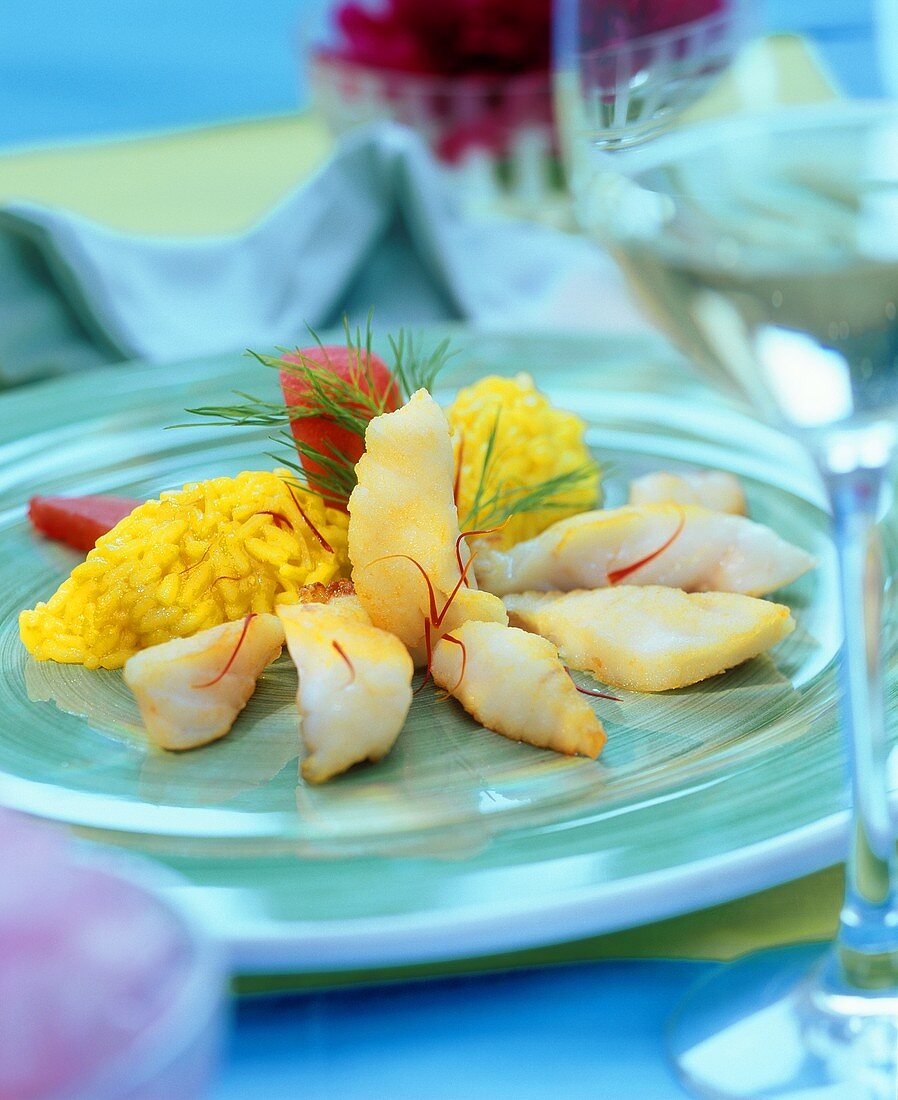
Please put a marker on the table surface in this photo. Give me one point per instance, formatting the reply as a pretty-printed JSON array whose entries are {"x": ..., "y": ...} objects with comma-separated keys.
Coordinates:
[
  {"x": 70, "y": 71},
  {"x": 582, "y": 1032}
]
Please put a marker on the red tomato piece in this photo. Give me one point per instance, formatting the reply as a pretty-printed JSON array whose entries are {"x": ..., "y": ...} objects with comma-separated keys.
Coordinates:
[
  {"x": 371, "y": 376},
  {"x": 78, "y": 521}
]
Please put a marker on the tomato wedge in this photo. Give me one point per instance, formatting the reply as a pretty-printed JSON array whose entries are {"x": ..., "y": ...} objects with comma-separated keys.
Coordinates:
[
  {"x": 78, "y": 521},
  {"x": 369, "y": 373}
]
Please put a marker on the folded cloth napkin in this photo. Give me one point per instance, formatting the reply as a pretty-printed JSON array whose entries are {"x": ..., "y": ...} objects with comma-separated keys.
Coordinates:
[{"x": 376, "y": 227}]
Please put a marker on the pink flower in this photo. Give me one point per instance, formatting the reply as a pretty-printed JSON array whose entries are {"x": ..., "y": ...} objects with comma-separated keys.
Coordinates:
[
  {"x": 490, "y": 37},
  {"x": 496, "y": 53},
  {"x": 447, "y": 37}
]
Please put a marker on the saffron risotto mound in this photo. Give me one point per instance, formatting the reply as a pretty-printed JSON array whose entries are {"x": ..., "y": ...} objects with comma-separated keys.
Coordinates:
[
  {"x": 533, "y": 442},
  {"x": 207, "y": 554}
]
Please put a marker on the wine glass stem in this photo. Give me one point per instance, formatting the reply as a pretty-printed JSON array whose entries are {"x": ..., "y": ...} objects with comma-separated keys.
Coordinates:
[{"x": 868, "y": 933}]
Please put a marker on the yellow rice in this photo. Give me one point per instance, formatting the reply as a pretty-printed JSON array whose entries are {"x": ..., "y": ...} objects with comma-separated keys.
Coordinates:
[
  {"x": 534, "y": 442},
  {"x": 205, "y": 555}
]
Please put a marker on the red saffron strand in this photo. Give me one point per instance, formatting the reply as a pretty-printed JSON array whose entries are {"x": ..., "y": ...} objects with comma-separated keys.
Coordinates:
[
  {"x": 428, "y": 648},
  {"x": 436, "y": 616},
  {"x": 617, "y": 575},
  {"x": 349, "y": 663},
  {"x": 597, "y": 694},
  {"x": 450, "y": 599},
  {"x": 464, "y": 659},
  {"x": 249, "y": 618},
  {"x": 591, "y": 691},
  {"x": 473, "y": 534},
  {"x": 217, "y": 579},
  {"x": 431, "y": 594},
  {"x": 199, "y": 561},
  {"x": 435, "y": 619},
  {"x": 276, "y": 516},
  {"x": 311, "y": 526}
]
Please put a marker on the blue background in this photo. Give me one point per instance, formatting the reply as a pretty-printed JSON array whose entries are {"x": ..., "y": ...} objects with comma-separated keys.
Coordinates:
[{"x": 74, "y": 68}]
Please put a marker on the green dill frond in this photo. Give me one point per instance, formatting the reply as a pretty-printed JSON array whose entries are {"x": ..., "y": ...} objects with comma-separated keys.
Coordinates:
[
  {"x": 413, "y": 368},
  {"x": 334, "y": 480},
  {"x": 493, "y": 504},
  {"x": 253, "y": 412},
  {"x": 349, "y": 403},
  {"x": 343, "y": 401},
  {"x": 495, "y": 509},
  {"x": 476, "y": 516}
]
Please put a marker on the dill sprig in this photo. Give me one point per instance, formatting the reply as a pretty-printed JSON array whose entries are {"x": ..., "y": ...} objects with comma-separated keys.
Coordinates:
[
  {"x": 334, "y": 477},
  {"x": 413, "y": 368},
  {"x": 492, "y": 507},
  {"x": 349, "y": 403},
  {"x": 540, "y": 496},
  {"x": 346, "y": 402}
]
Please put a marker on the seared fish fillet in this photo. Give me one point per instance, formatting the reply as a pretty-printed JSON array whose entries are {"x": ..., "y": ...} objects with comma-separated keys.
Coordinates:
[
  {"x": 514, "y": 683},
  {"x": 190, "y": 690},
  {"x": 354, "y": 684},
  {"x": 403, "y": 524},
  {"x": 675, "y": 545},
  {"x": 714, "y": 489},
  {"x": 652, "y": 638}
]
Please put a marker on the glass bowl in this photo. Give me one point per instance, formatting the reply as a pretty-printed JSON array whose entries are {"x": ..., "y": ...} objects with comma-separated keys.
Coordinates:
[
  {"x": 493, "y": 136},
  {"x": 110, "y": 990}
]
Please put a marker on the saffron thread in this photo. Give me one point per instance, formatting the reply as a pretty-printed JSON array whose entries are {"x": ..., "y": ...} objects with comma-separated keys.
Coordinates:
[
  {"x": 617, "y": 575},
  {"x": 249, "y": 618}
]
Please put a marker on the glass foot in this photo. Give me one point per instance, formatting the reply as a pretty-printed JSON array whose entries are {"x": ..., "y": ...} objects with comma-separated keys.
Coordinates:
[{"x": 775, "y": 1024}]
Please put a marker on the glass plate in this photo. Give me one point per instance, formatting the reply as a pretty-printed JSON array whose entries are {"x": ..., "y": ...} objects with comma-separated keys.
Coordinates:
[{"x": 457, "y": 826}]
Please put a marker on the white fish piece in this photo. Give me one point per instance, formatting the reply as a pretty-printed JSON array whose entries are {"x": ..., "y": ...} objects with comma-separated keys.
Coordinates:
[
  {"x": 354, "y": 684},
  {"x": 674, "y": 545},
  {"x": 714, "y": 489},
  {"x": 652, "y": 638},
  {"x": 514, "y": 683},
  {"x": 190, "y": 690},
  {"x": 403, "y": 526}
]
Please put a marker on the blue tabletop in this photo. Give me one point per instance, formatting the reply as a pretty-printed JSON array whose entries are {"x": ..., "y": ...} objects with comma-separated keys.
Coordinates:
[
  {"x": 70, "y": 70},
  {"x": 578, "y": 1032}
]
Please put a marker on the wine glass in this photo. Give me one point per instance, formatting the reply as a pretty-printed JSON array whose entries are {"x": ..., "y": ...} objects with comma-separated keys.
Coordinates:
[
  {"x": 767, "y": 248},
  {"x": 621, "y": 85}
]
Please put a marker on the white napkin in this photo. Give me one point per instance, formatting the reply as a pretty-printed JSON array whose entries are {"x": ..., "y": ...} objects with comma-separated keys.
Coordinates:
[{"x": 375, "y": 227}]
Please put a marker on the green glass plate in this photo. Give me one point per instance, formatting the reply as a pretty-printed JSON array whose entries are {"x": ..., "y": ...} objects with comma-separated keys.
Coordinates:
[{"x": 460, "y": 842}]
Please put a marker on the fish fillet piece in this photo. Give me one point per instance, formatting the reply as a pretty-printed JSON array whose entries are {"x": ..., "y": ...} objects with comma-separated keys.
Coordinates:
[
  {"x": 714, "y": 489},
  {"x": 652, "y": 638},
  {"x": 190, "y": 690},
  {"x": 402, "y": 508},
  {"x": 679, "y": 545},
  {"x": 354, "y": 684},
  {"x": 513, "y": 683}
]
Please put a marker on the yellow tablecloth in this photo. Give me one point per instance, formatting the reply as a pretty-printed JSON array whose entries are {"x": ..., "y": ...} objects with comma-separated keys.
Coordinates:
[{"x": 215, "y": 180}]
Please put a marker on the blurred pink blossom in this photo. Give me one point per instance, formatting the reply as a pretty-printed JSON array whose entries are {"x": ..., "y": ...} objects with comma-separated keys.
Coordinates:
[
  {"x": 489, "y": 37},
  {"x": 447, "y": 37},
  {"x": 87, "y": 962},
  {"x": 495, "y": 53}
]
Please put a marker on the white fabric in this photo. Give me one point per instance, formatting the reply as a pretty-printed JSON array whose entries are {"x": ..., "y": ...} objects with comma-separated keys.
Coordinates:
[{"x": 376, "y": 226}]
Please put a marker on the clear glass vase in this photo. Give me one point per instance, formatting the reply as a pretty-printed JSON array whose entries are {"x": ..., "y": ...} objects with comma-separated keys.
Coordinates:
[{"x": 493, "y": 137}]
